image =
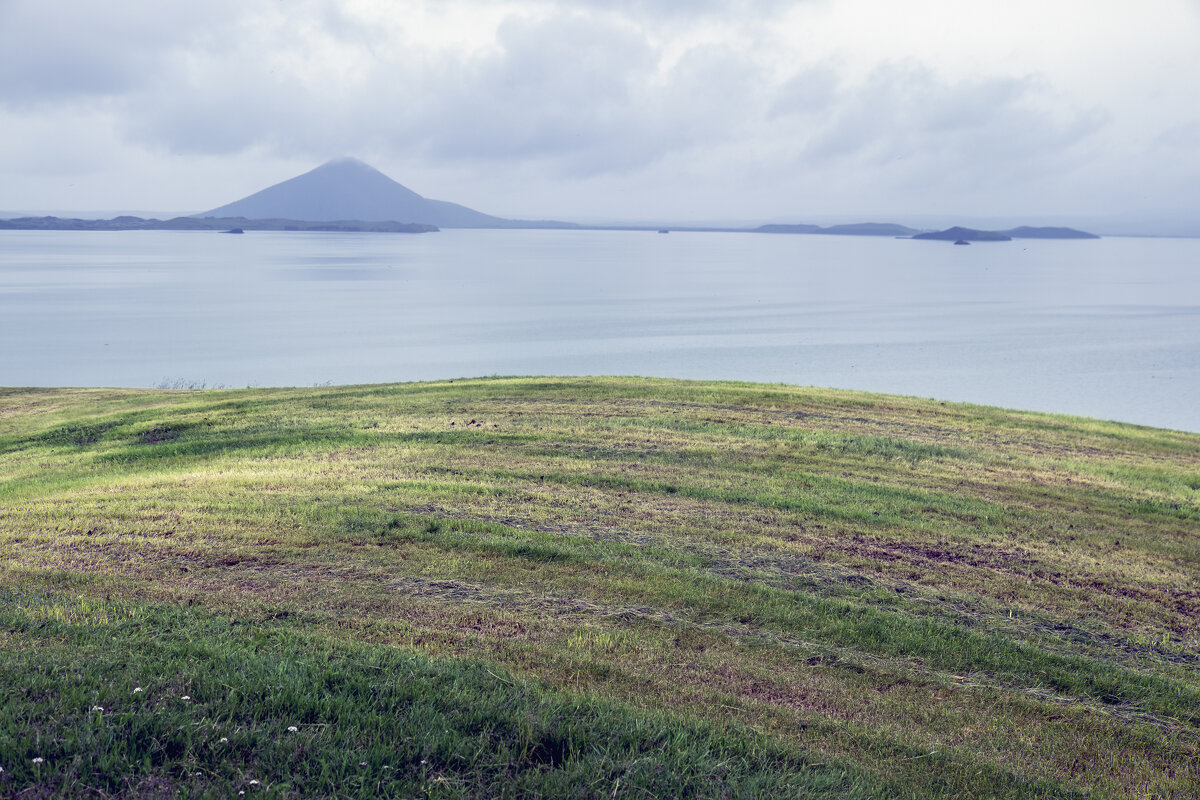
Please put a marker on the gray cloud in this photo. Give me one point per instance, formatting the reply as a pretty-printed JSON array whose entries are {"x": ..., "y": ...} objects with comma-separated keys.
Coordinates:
[
  {"x": 53, "y": 52},
  {"x": 811, "y": 91},
  {"x": 557, "y": 86},
  {"x": 589, "y": 97},
  {"x": 685, "y": 105},
  {"x": 973, "y": 132},
  {"x": 581, "y": 94},
  {"x": 691, "y": 10}
]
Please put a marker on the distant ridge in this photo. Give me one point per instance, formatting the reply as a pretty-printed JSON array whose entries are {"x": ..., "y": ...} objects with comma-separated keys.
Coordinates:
[
  {"x": 785, "y": 228},
  {"x": 854, "y": 229},
  {"x": 869, "y": 229},
  {"x": 130, "y": 223},
  {"x": 348, "y": 189},
  {"x": 957, "y": 233},
  {"x": 1023, "y": 232},
  {"x": 1026, "y": 232}
]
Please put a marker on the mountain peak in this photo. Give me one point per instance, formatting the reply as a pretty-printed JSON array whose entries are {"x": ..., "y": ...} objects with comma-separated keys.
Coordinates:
[
  {"x": 347, "y": 162},
  {"x": 349, "y": 189}
]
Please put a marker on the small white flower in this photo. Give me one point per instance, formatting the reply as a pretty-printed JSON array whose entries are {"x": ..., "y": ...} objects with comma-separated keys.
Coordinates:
[
  {"x": 423, "y": 761},
  {"x": 98, "y": 708},
  {"x": 292, "y": 729},
  {"x": 362, "y": 763},
  {"x": 186, "y": 697},
  {"x": 1, "y": 770},
  {"x": 39, "y": 760},
  {"x": 241, "y": 791},
  {"x": 224, "y": 740},
  {"x": 253, "y": 782},
  {"x": 137, "y": 690}
]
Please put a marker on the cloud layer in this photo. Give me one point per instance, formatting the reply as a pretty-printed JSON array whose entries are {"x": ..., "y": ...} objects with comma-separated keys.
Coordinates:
[{"x": 608, "y": 108}]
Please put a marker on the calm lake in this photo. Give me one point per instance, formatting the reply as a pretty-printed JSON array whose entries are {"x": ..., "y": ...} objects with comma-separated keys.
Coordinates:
[{"x": 1107, "y": 328}]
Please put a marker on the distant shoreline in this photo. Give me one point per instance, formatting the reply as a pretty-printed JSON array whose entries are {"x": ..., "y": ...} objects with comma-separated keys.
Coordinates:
[
  {"x": 872, "y": 229},
  {"x": 219, "y": 224}
]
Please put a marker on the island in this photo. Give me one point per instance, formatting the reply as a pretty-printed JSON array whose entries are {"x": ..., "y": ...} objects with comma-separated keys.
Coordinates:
[{"x": 959, "y": 234}]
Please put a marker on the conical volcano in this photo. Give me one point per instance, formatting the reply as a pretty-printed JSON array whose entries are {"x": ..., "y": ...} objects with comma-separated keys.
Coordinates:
[{"x": 348, "y": 189}]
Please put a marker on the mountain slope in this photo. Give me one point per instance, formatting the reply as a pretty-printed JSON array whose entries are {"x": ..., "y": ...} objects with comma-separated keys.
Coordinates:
[{"x": 348, "y": 189}]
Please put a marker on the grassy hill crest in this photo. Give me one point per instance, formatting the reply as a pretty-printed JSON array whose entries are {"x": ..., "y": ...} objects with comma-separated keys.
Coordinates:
[{"x": 591, "y": 587}]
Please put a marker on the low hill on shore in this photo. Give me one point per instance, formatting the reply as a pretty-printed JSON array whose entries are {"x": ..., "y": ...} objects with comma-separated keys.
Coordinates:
[
  {"x": 1027, "y": 232},
  {"x": 1023, "y": 232},
  {"x": 592, "y": 587},
  {"x": 127, "y": 223},
  {"x": 851, "y": 229}
]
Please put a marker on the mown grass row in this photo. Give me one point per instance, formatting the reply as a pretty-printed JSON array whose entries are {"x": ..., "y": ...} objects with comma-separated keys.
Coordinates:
[
  {"x": 157, "y": 701},
  {"x": 927, "y": 599}
]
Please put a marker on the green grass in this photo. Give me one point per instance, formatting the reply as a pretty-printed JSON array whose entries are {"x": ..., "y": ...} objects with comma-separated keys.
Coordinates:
[
  {"x": 153, "y": 699},
  {"x": 592, "y": 588}
]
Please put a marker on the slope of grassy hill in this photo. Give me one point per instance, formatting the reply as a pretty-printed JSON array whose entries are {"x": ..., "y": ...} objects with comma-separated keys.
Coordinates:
[{"x": 591, "y": 588}]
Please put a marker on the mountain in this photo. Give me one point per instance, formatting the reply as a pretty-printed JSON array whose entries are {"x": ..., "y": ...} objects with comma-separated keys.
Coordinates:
[{"x": 348, "y": 189}]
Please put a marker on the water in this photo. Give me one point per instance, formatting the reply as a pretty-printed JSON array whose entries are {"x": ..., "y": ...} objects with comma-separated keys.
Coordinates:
[{"x": 1107, "y": 328}]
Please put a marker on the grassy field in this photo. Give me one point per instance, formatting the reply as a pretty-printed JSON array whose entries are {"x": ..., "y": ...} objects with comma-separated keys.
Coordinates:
[{"x": 617, "y": 588}]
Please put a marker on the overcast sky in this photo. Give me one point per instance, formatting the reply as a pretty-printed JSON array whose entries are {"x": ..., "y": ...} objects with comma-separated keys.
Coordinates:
[{"x": 611, "y": 109}]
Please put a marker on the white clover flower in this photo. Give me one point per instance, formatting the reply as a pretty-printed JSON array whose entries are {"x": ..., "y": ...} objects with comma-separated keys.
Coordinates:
[
  {"x": 137, "y": 690},
  {"x": 292, "y": 729},
  {"x": 39, "y": 760}
]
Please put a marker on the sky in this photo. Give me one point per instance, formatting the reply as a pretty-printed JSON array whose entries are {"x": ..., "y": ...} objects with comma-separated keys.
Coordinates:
[{"x": 613, "y": 110}]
